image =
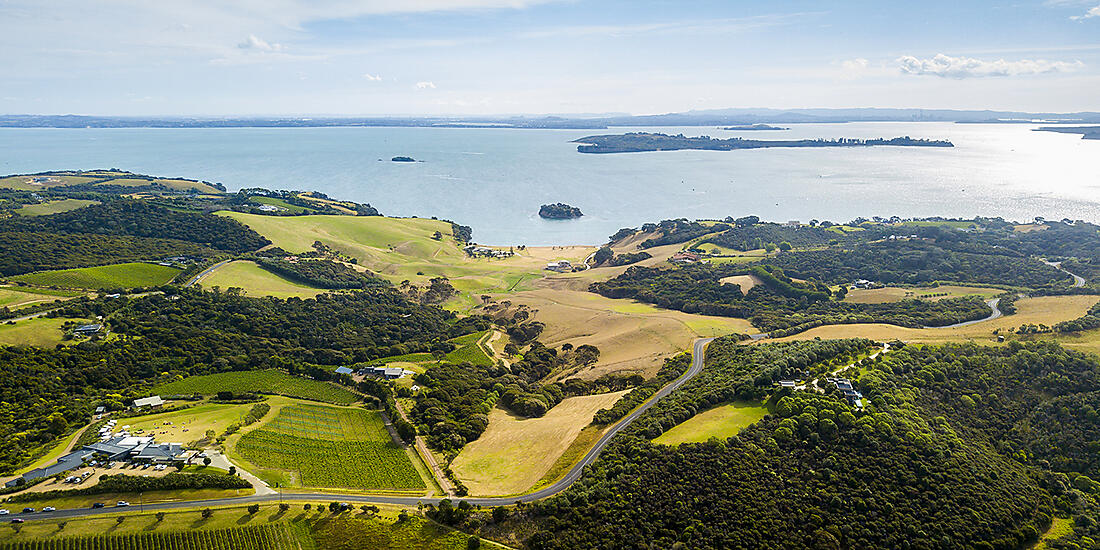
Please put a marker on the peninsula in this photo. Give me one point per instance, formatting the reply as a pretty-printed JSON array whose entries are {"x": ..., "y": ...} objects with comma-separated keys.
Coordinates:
[
  {"x": 1087, "y": 132},
  {"x": 636, "y": 142}
]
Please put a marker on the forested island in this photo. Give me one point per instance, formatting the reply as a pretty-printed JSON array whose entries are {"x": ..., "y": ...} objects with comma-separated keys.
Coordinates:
[
  {"x": 744, "y": 127},
  {"x": 637, "y": 142},
  {"x": 559, "y": 211}
]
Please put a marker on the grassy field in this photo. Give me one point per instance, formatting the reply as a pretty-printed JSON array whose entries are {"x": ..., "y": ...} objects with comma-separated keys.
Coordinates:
[
  {"x": 321, "y": 446},
  {"x": 267, "y": 381},
  {"x": 468, "y": 350},
  {"x": 293, "y": 208},
  {"x": 895, "y": 294},
  {"x": 53, "y": 207},
  {"x": 295, "y": 528},
  {"x": 745, "y": 281},
  {"x": 189, "y": 425},
  {"x": 722, "y": 422},
  {"x": 16, "y": 297},
  {"x": 23, "y": 183},
  {"x": 1046, "y": 310},
  {"x": 256, "y": 281},
  {"x": 514, "y": 453},
  {"x": 128, "y": 275},
  {"x": 40, "y": 332}
]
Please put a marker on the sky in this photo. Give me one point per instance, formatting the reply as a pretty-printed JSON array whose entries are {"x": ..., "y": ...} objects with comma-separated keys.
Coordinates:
[{"x": 482, "y": 57}]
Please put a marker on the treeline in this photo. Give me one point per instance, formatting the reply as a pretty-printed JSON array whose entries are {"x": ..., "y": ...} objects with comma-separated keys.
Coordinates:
[
  {"x": 122, "y": 483},
  {"x": 677, "y": 231},
  {"x": 778, "y": 305},
  {"x": 321, "y": 273},
  {"x": 138, "y": 218},
  {"x": 673, "y": 368},
  {"x": 905, "y": 472},
  {"x": 1088, "y": 321},
  {"x": 24, "y": 252}
]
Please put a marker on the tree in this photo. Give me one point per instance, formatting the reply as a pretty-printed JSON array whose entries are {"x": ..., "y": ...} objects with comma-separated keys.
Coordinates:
[
  {"x": 57, "y": 423},
  {"x": 232, "y": 470},
  {"x": 179, "y": 465},
  {"x": 602, "y": 255},
  {"x": 334, "y": 507},
  {"x": 61, "y": 525},
  {"x": 283, "y": 507},
  {"x": 307, "y": 506},
  {"x": 473, "y": 543},
  {"x": 500, "y": 514},
  {"x": 206, "y": 461},
  {"x": 160, "y": 516},
  {"x": 784, "y": 246},
  {"x": 120, "y": 519},
  {"x": 207, "y": 513},
  {"x": 253, "y": 509}
]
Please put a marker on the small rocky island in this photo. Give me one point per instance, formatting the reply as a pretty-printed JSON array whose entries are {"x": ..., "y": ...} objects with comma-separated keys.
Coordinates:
[
  {"x": 745, "y": 127},
  {"x": 559, "y": 211},
  {"x": 402, "y": 159},
  {"x": 637, "y": 142}
]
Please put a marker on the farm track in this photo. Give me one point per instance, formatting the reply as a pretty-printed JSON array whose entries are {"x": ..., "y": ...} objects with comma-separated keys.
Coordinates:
[{"x": 564, "y": 483}]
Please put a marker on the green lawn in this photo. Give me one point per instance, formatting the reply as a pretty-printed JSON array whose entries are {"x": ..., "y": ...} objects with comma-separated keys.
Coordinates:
[
  {"x": 267, "y": 381},
  {"x": 16, "y": 297},
  {"x": 128, "y": 275},
  {"x": 53, "y": 207},
  {"x": 256, "y": 281},
  {"x": 722, "y": 422},
  {"x": 40, "y": 332}
]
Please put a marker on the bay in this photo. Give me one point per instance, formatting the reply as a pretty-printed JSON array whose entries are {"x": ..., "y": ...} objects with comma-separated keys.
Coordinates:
[{"x": 495, "y": 179}]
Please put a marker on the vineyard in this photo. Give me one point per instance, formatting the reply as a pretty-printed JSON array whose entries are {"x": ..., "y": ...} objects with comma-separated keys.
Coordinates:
[
  {"x": 264, "y": 381},
  {"x": 274, "y": 536},
  {"x": 331, "y": 447}
]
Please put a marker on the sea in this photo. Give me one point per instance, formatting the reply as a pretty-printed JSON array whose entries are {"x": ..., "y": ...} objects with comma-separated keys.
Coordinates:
[{"x": 495, "y": 179}]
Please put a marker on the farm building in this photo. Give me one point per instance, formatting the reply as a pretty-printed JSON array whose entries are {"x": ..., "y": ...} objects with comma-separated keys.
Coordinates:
[
  {"x": 88, "y": 329},
  {"x": 389, "y": 373},
  {"x": 561, "y": 266},
  {"x": 138, "y": 449},
  {"x": 343, "y": 370},
  {"x": 684, "y": 257},
  {"x": 154, "y": 402}
]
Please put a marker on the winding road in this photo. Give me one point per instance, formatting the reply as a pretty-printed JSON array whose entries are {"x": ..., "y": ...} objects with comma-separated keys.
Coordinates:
[
  {"x": 205, "y": 272},
  {"x": 992, "y": 305},
  {"x": 573, "y": 475}
]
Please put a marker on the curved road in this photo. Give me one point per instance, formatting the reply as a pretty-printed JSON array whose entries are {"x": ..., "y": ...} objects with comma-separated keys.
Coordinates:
[
  {"x": 992, "y": 305},
  {"x": 205, "y": 272},
  {"x": 573, "y": 475}
]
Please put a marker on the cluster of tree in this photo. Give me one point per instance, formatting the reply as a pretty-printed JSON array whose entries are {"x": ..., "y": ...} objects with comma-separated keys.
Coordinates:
[
  {"x": 322, "y": 273},
  {"x": 437, "y": 291},
  {"x": 677, "y": 231},
  {"x": 462, "y": 233},
  {"x": 673, "y": 368},
  {"x": 919, "y": 467},
  {"x": 754, "y": 236},
  {"x": 559, "y": 211},
  {"x": 24, "y": 252},
  {"x": 780, "y": 304},
  {"x": 629, "y": 258},
  {"x": 122, "y": 483},
  {"x": 240, "y": 202},
  {"x": 258, "y": 411},
  {"x": 138, "y": 218}
]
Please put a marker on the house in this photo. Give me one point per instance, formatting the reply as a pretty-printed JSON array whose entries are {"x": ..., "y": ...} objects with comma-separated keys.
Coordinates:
[
  {"x": 88, "y": 329},
  {"x": 861, "y": 283},
  {"x": 269, "y": 208},
  {"x": 154, "y": 402},
  {"x": 343, "y": 370},
  {"x": 684, "y": 257},
  {"x": 157, "y": 453},
  {"x": 561, "y": 266},
  {"x": 389, "y": 373}
]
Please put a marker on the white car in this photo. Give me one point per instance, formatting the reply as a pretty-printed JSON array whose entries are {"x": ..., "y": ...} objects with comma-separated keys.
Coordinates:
[
  {"x": 48, "y": 509},
  {"x": 4, "y": 512},
  {"x": 121, "y": 503}
]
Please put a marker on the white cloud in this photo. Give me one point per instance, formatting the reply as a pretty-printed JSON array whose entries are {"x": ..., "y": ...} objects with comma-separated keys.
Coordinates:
[
  {"x": 372, "y": 77},
  {"x": 425, "y": 85},
  {"x": 946, "y": 66},
  {"x": 1092, "y": 12},
  {"x": 254, "y": 42}
]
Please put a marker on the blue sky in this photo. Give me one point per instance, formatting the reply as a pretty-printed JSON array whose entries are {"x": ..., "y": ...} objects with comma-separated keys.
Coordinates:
[{"x": 267, "y": 57}]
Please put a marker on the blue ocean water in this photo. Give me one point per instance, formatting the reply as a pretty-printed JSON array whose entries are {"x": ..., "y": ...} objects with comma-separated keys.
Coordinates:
[{"x": 495, "y": 179}]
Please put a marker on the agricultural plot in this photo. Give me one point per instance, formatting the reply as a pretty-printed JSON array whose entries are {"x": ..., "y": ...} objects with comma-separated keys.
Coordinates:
[
  {"x": 330, "y": 447},
  {"x": 272, "y": 536},
  {"x": 127, "y": 275},
  {"x": 263, "y": 381},
  {"x": 257, "y": 281},
  {"x": 468, "y": 350},
  {"x": 53, "y": 207}
]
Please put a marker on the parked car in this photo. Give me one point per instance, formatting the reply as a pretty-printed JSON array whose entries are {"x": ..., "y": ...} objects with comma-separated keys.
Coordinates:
[
  {"x": 97, "y": 505},
  {"x": 49, "y": 509},
  {"x": 121, "y": 503},
  {"x": 28, "y": 510},
  {"x": 4, "y": 512},
  {"x": 16, "y": 520}
]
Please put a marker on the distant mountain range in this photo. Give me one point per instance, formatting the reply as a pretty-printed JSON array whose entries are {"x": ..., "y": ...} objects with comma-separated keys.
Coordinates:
[{"x": 716, "y": 117}]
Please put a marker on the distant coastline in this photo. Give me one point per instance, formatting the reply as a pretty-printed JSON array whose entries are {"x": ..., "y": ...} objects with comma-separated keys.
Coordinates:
[
  {"x": 640, "y": 142},
  {"x": 1087, "y": 132},
  {"x": 750, "y": 127}
]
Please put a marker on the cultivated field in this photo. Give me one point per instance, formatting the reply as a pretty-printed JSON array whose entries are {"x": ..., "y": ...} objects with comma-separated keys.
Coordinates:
[
  {"x": 331, "y": 447},
  {"x": 723, "y": 421},
  {"x": 260, "y": 537},
  {"x": 1047, "y": 310},
  {"x": 53, "y": 207},
  {"x": 514, "y": 452},
  {"x": 896, "y": 294},
  {"x": 266, "y": 381},
  {"x": 256, "y": 281},
  {"x": 128, "y": 275}
]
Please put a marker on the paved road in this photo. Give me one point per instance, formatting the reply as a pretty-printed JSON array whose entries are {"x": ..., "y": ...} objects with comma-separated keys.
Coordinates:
[
  {"x": 562, "y": 484},
  {"x": 992, "y": 305},
  {"x": 1078, "y": 281},
  {"x": 206, "y": 272}
]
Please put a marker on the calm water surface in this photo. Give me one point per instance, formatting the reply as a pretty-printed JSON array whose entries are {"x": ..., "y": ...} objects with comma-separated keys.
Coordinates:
[{"x": 495, "y": 179}]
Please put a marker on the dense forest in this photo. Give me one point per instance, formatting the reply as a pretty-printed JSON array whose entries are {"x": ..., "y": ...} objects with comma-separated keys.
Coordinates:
[
  {"x": 938, "y": 459},
  {"x": 24, "y": 252},
  {"x": 322, "y": 273},
  {"x": 778, "y": 305}
]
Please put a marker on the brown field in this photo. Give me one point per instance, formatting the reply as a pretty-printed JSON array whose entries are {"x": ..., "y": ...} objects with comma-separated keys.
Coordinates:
[
  {"x": 1029, "y": 227},
  {"x": 631, "y": 336},
  {"x": 1046, "y": 310},
  {"x": 514, "y": 452},
  {"x": 896, "y": 294},
  {"x": 746, "y": 282}
]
